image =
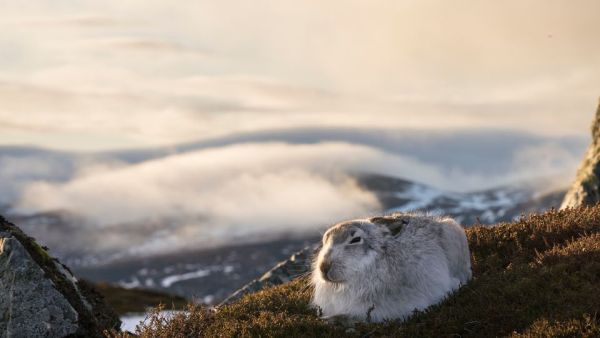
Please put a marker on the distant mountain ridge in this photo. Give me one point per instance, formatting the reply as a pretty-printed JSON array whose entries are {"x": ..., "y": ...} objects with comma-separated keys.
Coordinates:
[
  {"x": 394, "y": 194},
  {"x": 502, "y": 204},
  {"x": 214, "y": 273}
]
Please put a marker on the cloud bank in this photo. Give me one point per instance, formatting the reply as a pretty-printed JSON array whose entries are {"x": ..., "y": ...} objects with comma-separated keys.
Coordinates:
[{"x": 247, "y": 191}]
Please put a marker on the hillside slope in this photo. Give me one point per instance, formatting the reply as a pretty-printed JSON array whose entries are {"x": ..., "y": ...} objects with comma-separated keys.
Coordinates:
[{"x": 535, "y": 277}]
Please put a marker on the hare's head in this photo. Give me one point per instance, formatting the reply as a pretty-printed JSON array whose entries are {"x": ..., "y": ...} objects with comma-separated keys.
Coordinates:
[{"x": 350, "y": 248}]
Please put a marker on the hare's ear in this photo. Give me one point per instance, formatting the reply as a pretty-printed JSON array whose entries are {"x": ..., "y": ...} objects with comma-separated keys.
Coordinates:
[{"x": 393, "y": 224}]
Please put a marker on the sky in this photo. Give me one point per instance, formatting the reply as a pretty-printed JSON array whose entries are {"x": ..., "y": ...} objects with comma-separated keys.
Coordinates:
[
  {"x": 184, "y": 122},
  {"x": 98, "y": 75}
]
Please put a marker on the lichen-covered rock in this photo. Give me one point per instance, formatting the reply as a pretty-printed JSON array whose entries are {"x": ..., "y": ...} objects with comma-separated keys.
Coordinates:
[
  {"x": 585, "y": 191},
  {"x": 39, "y": 297},
  {"x": 29, "y": 303}
]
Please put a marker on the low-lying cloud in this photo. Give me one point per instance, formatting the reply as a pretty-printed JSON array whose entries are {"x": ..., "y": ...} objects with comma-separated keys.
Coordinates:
[
  {"x": 246, "y": 191},
  {"x": 217, "y": 194}
]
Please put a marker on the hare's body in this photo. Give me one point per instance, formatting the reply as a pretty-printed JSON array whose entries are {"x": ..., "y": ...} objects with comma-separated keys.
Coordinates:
[{"x": 387, "y": 267}]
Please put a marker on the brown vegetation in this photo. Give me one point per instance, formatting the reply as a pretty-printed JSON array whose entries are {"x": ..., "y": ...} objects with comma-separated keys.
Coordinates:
[{"x": 535, "y": 277}]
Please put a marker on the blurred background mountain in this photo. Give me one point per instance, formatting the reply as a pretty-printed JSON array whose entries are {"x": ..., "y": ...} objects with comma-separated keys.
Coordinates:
[{"x": 202, "y": 219}]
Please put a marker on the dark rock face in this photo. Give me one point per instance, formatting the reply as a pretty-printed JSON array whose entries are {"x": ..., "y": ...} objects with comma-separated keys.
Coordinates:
[
  {"x": 41, "y": 298},
  {"x": 32, "y": 307},
  {"x": 586, "y": 188}
]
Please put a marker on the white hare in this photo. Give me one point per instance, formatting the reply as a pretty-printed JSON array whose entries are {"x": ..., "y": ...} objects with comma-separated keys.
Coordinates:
[{"x": 387, "y": 267}]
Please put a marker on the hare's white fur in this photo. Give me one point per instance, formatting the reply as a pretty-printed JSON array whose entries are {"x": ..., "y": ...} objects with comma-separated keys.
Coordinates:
[{"x": 398, "y": 264}]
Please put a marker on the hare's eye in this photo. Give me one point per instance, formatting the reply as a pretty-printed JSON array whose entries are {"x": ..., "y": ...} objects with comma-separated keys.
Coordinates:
[{"x": 355, "y": 240}]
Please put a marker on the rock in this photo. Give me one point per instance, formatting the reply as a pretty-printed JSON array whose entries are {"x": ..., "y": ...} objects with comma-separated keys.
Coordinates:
[
  {"x": 585, "y": 190},
  {"x": 41, "y": 298},
  {"x": 295, "y": 266},
  {"x": 30, "y": 304}
]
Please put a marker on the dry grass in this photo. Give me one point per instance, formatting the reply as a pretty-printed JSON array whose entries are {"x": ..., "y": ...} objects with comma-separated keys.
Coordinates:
[{"x": 535, "y": 277}]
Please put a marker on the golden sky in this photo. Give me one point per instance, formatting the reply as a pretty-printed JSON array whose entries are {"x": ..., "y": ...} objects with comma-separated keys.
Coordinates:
[{"x": 92, "y": 75}]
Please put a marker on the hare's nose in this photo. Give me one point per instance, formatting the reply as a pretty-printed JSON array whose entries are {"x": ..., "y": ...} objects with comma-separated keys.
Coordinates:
[{"x": 325, "y": 267}]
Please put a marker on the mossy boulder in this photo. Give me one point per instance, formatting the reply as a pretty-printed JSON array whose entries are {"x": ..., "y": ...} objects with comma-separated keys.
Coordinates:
[{"x": 40, "y": 296}]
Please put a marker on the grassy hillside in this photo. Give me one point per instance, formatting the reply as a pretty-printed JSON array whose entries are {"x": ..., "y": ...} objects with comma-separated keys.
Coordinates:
[{"x": 536, "y": 277}]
